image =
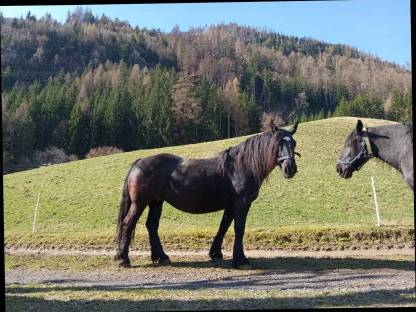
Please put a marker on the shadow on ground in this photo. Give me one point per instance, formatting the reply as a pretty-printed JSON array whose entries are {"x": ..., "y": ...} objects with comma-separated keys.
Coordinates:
[
  {"x": 315, "y": 274},
  {"x": 302, "y": 264},
  {"x": 368, "y": 298}
]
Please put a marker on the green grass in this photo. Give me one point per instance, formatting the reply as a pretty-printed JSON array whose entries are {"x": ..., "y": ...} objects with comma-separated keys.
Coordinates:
[
  {"x": 288, "y": 238},
  {"x": 79, "y": 200}
]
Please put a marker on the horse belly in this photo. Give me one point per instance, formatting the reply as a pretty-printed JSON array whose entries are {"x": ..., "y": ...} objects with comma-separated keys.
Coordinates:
[
  {"x": 195, "y": 187},
  {"x": 196, "y": 200}
]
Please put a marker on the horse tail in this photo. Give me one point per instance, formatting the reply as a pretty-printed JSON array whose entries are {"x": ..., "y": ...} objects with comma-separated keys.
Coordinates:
[{"x": 125, "y": 203}]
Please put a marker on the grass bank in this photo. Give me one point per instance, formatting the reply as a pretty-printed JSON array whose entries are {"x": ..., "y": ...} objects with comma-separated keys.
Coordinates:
[
  {"x": 288, "y": 238},
  {"x": 316, "y": 209}
]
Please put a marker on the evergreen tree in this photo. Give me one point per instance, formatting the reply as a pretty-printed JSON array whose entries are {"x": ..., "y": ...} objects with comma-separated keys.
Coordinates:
[
  {"x": 211, "y": 114},
  {"x": 252, "y": 112},
  {"x": 79, "y": 130},
  {"x": 401, "y": 107},
  {"x": 361, "y": 106}
]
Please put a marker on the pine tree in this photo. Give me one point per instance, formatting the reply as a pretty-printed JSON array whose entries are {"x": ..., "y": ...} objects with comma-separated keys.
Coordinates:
[{"x": 79, "y": 130}]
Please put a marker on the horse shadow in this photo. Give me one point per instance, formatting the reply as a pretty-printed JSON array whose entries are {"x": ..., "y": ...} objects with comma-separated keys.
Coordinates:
[{"x": 296, "y": 264}]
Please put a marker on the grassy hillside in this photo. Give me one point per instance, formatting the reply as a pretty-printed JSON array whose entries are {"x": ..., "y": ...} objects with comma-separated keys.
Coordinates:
[{"x": 79, "y": 200}]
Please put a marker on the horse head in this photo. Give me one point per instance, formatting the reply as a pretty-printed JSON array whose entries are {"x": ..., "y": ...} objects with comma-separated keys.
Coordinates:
[
  {"x": 285, "y": 157},
  {"x": 356, "y": 152}
]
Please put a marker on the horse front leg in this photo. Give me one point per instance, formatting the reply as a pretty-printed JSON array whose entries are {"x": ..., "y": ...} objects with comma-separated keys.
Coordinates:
[
  {"x": 152, "y": 225},
  {"x": 215, "y": 250},
  {"x": 407, "y": 172},
  {"x": 129, "y": 224},
  {"x": 240, "y": 210}
]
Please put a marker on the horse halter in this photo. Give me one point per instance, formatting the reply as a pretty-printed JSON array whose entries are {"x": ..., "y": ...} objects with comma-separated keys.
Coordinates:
[
  {"x": 363, "y": 156},
  {"x": 290, "y": 156}
]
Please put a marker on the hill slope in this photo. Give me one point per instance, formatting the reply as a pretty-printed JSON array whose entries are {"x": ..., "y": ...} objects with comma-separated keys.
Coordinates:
[{"x": 79, "y": 200}]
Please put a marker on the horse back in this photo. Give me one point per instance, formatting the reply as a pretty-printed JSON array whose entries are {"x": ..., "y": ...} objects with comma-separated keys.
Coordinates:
[{"x": 192, "y": 185}]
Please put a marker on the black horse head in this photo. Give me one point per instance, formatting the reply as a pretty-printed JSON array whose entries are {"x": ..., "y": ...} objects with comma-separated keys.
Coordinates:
[
  {"x": 285, "y": 157},
  {"x": 260, "y": 154},
  {"x": 355, "y": 153}
]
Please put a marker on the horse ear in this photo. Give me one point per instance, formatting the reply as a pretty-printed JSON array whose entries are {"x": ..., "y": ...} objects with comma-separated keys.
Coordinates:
[
  {"x": 294, "y": 128},
  {"x": 359, "y": 127},
  {"x": 273, "y": 126}
]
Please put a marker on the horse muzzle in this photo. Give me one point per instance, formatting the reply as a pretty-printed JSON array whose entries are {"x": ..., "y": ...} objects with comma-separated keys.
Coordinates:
[
  {"x": 344, "y": 171},
  {"x": 289, "y": 170}
]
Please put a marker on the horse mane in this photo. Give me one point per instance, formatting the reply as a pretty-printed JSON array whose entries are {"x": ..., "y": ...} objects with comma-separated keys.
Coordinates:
[
  {"x": 257, "y": 154},
  {"x": 222, "y": 161},
  {"x": 350, "y": 140}
]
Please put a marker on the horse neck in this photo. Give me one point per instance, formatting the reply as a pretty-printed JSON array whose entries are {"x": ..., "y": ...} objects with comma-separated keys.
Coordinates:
[
  {"x": 387, "y": 143},
  {"x": 260, "y": 175}
]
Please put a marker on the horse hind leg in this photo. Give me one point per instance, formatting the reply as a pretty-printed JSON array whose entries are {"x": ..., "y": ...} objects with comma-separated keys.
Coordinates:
[
  {"x": 129, "y": 225},
  {"x": 152, "y": 225}
]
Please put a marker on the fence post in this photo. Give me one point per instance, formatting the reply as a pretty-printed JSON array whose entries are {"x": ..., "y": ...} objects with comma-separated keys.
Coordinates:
[
  {"x": 375, "y": 200},
  {"x": 36, "y": 214}
]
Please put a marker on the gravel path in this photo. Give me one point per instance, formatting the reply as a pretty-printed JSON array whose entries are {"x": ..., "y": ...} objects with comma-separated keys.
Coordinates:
[
  {"x": 354, "y": 280},
  {"x": 358, "y": 271}
]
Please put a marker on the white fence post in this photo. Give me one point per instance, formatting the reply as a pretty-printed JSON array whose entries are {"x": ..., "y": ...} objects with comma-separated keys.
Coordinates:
[
  {"x": 375, "y": 200},
  {"x": 36, "y": 214}
]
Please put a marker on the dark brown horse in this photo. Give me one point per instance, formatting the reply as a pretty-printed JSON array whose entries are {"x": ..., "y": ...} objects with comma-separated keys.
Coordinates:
[
  {"x": 392, "y": 144},
  {"x": 230, "y": 181}
]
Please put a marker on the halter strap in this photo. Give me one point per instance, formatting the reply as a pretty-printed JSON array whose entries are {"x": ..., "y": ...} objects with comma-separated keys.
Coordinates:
[
  {"x": 283, "y": 158},
  {"x": 367, "y": 142}
]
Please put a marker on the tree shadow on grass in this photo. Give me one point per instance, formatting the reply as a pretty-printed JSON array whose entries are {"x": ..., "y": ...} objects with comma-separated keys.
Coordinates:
[{"x": 19, "y": 302}]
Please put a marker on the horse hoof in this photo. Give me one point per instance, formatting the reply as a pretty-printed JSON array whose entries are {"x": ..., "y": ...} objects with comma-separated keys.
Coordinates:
[
  {"x": 215, "y": 260},
  {"x": 124, "y": 264},
  {"x": 215, "y": 256},
  {"x": 244, "y": 267},
  {"x": 165, "y": 261},
  {"x": 160, "y": 262}
]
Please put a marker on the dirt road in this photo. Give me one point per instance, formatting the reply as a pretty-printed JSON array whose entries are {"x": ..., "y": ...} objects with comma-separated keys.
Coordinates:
[{"x": 365, "y": 277}]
